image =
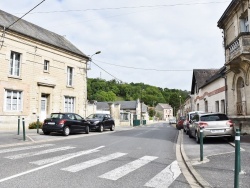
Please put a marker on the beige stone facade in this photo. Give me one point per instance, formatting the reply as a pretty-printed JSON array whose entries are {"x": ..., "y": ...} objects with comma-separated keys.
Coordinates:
[
  {"x": 38, "y": 78},
  {"x": 235, "y": 25}
]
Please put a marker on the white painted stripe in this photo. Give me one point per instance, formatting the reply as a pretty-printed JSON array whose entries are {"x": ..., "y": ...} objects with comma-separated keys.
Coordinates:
[
  {"x": 237, "y": 137},
  {"x": 165, "y": 177},
  {"x": 45, "y": 166},
  {"x": 88, "y": 164},
  {"x": 127, "y": 168},
  {"x": 23, "y": 155},
  {"x": 24, "y": 148},
  {"x": 54, "y": 159}
]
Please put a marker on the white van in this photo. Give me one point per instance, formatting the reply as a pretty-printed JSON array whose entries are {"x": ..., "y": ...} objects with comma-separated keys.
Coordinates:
[{"x": 189, "y": 116}]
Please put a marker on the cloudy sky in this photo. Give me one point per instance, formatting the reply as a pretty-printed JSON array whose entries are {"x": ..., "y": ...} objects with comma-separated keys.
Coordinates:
[{"x": 156, "y": 42}]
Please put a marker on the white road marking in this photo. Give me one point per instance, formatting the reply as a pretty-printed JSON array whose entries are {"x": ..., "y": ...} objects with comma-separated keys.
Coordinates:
[
  {"x": 54, "y": 159},
  {"x": 127, "y": 168},
  {"x": 45, "y": 166},
  {"x": 23, "y": 155},
  {"x": 88, "y": 164},
  {"x": 24, "y": 148},
  {"x": 165, "y": 178}
]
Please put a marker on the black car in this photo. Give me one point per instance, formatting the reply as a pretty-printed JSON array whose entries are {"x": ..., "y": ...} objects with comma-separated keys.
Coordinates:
[
  {"x": 100, "y": 122},
  {"x": 65, "y": 123}
]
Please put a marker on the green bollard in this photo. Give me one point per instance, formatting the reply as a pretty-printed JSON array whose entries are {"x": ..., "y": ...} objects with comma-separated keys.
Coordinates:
[
  {"x": 237, "y": 159},
  {"x": 24, "y": 137},
  {"x": 201, "y": 144},
  {"x": 18, "y": 125},
  {"x": 37, "y": 125}
]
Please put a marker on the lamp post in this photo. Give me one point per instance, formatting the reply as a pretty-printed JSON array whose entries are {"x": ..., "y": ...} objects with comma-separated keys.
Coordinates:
[
  {"x": 141, "y": 107},
  {"x": 180, "y": 106},
  {"x": 89, "y": 60}
]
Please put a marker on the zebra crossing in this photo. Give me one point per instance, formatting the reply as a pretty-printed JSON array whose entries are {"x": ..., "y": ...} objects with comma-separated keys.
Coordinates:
[{"x": 162, "y": 179}]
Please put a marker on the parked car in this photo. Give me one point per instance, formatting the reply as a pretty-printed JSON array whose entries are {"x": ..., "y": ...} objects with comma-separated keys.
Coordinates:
[
  {"x": 213, "y": 125},
  {"x": 172, "y": 121},
  {"x": 179, "y": 124},
  {"x": 189, "y": 116},
  {"x": 100, "y": 122},
  {"x": 65, "y": 123}
]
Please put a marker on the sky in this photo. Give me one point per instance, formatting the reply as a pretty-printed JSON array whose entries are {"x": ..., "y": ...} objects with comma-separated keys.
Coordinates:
[{"x": 155, "y": 42}]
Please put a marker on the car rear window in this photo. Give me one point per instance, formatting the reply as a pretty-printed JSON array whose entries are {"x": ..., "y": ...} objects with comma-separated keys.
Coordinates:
[
  {"x": 214, "y": 117},
  {"x": 57, "y": 116}
]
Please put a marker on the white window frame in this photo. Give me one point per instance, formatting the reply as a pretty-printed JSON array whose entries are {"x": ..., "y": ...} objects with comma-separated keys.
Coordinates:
[
  {"x": 14, "y": 103},
  {"x": 15, "y": 64},
  {"x": 46, "y": 65},
  {"x": 70, "y": 72},
  {"x": 69, "y": 104}
]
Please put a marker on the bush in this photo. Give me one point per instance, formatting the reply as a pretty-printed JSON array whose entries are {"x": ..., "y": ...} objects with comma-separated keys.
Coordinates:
[{"x": 33, "y": 125}]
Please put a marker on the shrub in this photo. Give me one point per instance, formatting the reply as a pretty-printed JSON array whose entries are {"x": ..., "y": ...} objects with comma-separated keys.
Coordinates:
[{"x": 33, "y": 125}]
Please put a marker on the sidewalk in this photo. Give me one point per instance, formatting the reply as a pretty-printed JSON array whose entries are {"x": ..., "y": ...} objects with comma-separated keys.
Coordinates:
[
  {"x": 10, "y": 137},
  {"x": 217, "y": 167}
]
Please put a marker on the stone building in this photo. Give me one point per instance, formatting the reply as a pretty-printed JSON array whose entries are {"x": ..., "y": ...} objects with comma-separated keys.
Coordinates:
[
  {"x": 41, "y": 72},
  {"x": 235, "y": 26}
]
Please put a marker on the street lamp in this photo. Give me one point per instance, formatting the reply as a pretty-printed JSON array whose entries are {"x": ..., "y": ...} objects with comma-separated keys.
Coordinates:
[
  {"x": 180, "y": 106},
  {"x": 89, "y": 60}
]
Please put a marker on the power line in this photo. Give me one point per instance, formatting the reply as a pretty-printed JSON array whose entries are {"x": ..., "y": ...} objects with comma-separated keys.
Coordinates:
[
  {"x": 162, "y": 70},
  {"x": 131, "y": 7},
  {"x": 107, "y": 72},
  {"x": 24, "y": 15}
]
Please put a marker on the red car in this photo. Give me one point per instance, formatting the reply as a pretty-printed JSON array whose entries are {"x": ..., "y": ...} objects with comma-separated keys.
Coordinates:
[{"x": 180, "y": 122}]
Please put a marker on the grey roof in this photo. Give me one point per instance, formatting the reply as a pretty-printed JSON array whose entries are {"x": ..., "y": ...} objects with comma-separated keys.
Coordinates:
[
  {"x": 200, "y": 76},
  {"x": 31, "y": 30},
  {"x": 220, "y": 73},
  {"x": 125, "y": 105},
  {"x": 165, "y": 105}
]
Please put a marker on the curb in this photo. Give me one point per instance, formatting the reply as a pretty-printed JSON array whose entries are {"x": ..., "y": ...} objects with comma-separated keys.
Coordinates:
[{"x": 195, "y": 174}]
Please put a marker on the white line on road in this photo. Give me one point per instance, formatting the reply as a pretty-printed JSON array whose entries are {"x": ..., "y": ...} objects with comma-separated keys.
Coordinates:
[
  {"x": 54, "y": 159},
  {"x": 19, "y": 156},
  {"x": 165, "y": 177},
  {"x": 127, "y": 168},
  {"x": 24, "y": 148},
  {"x": 88, "y": 164},
  {"x": 45, "y": 166}
]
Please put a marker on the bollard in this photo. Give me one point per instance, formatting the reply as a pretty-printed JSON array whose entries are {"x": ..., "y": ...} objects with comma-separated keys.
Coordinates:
[
  {"x": 237, "y": 159},
  {"x": 201, "y": 144},
  {"x": 37, "y": 125},
  {"x": 18, "y": 125},
  {"x": 24, "y": 137}
]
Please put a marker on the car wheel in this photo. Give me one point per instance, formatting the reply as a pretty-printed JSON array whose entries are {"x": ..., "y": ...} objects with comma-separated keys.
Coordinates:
[
  {"x": 100, "y": 128},
  {"x": 66, "y": 131},
  {"x": 46, "y": 132},
  {"x": 230, "y": 139},
  {"x": 197, "y": 139},
  {"x": 112, "y": 128},
  {"x": 87, "y": 130}
]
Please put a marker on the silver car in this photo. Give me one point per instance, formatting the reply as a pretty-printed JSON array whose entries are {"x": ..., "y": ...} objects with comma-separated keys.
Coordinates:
[{"x": 213, "y": 125}]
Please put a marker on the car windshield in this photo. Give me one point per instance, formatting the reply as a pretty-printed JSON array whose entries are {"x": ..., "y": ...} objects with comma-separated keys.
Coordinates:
[
  {"x": 96, "y": 116},
  {"x": 214, "y": 117},
  {"x": 56, "y": 116}
]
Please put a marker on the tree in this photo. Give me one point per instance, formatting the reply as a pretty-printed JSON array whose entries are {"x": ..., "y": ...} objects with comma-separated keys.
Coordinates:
[{"x": 151, "y": 112}]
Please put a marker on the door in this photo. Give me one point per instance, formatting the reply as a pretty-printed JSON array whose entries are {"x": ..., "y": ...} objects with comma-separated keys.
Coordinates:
[{"x": 43, "y": 112}]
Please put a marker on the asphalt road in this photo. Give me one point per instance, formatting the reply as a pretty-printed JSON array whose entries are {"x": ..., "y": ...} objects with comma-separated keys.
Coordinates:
[{"x": 138, "y": 157}]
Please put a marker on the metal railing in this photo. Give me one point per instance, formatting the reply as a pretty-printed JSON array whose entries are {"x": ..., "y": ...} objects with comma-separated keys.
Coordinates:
[{"x": 241, "y": 108}]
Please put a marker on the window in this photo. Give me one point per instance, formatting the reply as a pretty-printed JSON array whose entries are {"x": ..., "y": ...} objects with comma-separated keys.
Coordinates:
[
  {"x": 15, "y": 64},
  {"x": 69, "y": 76},
  {"x": 69, "y": 104},
  {"x": 222, "y": 106},
  {"x": 198, "y": 106},
  {"x": 13, "y": 100},
  {"x": 244, "y": 24},
  {"x": 217, "y": 106},
  {"x": 46, "y": 66},
  {"x": 206, "y": 106}
]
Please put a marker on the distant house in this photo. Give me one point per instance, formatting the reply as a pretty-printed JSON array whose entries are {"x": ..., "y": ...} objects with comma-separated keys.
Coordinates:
[
  {"x": 165, "y": 110},
  {"x": 41, "y": 72},
  {"x": 208, "y": 90}
]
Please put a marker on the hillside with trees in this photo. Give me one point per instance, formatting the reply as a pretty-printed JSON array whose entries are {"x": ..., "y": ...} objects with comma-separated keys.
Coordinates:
[{"x": 102, "y": 90}]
